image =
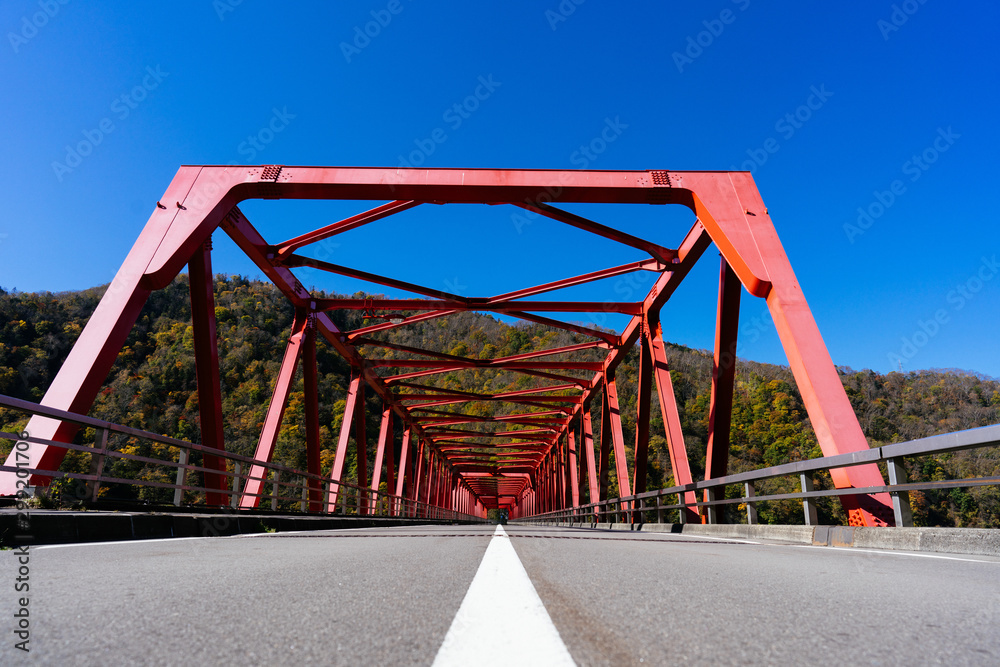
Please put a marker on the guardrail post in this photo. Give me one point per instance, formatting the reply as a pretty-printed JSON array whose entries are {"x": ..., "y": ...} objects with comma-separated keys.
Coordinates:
[
  {"x": 808, "y": 504},
  {"x": 97, "y": 462},
  {"x": 751, "y": 505},
  {"x": 275, "y": 476},
  {"x": 682, "y": 510},
  {"x": 900, "y": 499},
  {"x": 182, "y": 460},
  {"x": 234, "y": 501},
  {"x": 712, "y": 511},
  {"x": 304, "y": 502},
  {"x": 659, "y": 509}
]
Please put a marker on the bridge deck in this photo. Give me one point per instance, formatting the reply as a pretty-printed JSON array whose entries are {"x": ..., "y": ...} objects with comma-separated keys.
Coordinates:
[{"x": 389, "y": 596}]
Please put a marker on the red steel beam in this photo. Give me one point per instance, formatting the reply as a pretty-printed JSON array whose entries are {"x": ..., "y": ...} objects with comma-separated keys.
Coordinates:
[
  {"x": 296, "y": 261},
  {"x": 593, "y": 488},
  {"x": 275, "y": 411},
  {"x": 618, "y": 439},
  {"x": 361, "y": 449},
  {"x": 310, "y": 381},
  {"x": 384, "y": 442},
  {"x": 206, "y": 356},
  {"x": 643, "y": 396},
  {"x": 723, "y": 377},
  {"x": 347, "y": 224},
  {"x": 480, "y": 304},
  {"x": 574, "y": 471},
  {"x": 659, "y": 253},
  {"x": 340, "y": 456},
  {"x": 404, "y": 476},
  {"x": 647, "y": 265},
  {"x": 671, "y": 418}
]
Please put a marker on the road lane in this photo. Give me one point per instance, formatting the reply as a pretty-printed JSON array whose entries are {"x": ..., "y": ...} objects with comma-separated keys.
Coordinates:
[
  {"x": 622, "y": 598},
  {"x": 325, "y": 598}
]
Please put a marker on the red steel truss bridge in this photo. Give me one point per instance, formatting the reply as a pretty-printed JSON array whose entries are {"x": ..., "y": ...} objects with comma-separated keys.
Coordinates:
[{"x": 535, "y": 452}]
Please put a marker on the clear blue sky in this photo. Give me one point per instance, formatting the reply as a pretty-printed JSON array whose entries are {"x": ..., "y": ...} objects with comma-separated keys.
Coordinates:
[{"x": 706, "y": 85}]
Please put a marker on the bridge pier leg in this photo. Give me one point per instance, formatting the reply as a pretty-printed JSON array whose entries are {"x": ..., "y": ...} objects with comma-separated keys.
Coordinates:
[{"x": 723, "y": 378}]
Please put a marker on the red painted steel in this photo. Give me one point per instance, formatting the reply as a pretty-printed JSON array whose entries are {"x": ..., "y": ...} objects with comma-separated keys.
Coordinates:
[
  {"x": 275, "y": 412},
  {"x": 593, "y": 489},
  {"x": 574, "y": 471},
  {"x": 450, "y": 462},
  {"x": 340, "y": 456},
  {"x": 723, "y": 374},
  {"x": 671, "y": 418},
  {"x": 206, "y": 356},
  {"x": 643, "y": 397},
  {"x": 617, "y": 438},
  {"x": 310, "y": 381},
  {"x": 384, "y": 443}
]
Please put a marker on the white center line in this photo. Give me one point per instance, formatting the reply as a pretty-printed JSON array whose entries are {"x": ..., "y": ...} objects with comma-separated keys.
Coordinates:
[{"x": 502, "y": 621}]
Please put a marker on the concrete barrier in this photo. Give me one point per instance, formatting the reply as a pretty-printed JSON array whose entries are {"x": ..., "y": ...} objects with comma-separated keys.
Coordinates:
[{"x": 977, "y": 541}]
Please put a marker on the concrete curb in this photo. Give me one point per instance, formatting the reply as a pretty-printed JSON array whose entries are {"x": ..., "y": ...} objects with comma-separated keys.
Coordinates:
[
  {"x": 59, "y": 527},
  {"x": 975, "y": 541}
]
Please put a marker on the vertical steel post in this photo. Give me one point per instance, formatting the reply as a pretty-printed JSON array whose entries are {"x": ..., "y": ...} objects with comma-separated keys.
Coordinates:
[
  {"x": 900, "y": 499},
  {"x": 808, "y": 504},
  {"x": 206, "y": 357},
  {"x": 310, "y": 383},
  {"x": 275, "y": 478},
  {"x": 642, "y": 401},
  {"x": 93, "y": 487},
  {"x": 588, "y": 451},
  {"x": 723, "y": 377},
  {"x": 574, "y": 470},
  {"x": 751, "y": 505},
  {"x": 361, "y": 449},
  {"x": 604, "y": 461},
  {"x": 235, "y": 497},
  {"x": 182, "y": 460}
]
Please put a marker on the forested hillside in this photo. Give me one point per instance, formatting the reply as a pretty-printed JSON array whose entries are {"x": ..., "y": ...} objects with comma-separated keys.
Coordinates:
[{"x": 152, "y": 386}]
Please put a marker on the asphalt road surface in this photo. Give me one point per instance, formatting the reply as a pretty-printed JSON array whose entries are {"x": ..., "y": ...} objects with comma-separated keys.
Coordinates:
[{"x": 389, "y": 596}]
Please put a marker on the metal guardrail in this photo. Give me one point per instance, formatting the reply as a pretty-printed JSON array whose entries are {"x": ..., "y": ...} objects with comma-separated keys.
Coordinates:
[
  {"x": 632, "y": 508},
  {"x": 289, "y": 487}
]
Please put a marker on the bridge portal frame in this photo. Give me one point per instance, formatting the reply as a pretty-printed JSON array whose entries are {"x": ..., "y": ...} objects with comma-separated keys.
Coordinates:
[{"x": 730, "y": 213}]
